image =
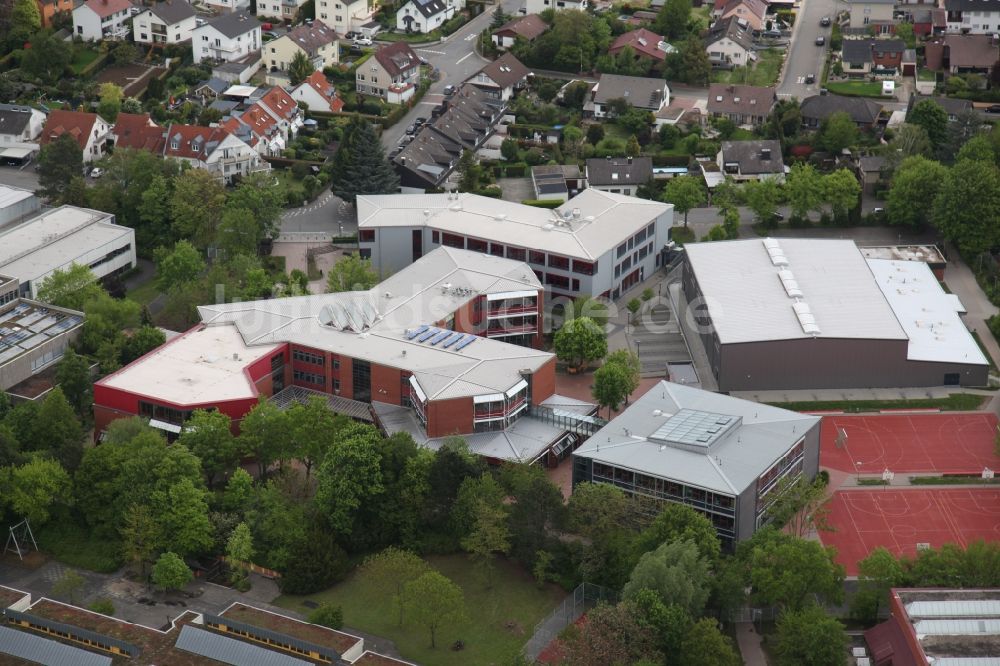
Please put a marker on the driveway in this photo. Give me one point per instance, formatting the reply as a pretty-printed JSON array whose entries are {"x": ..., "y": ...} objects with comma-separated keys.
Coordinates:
[{"x": 24, "y": 177}]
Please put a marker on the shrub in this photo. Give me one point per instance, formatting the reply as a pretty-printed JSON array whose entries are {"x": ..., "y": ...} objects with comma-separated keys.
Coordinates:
[
  {"x": 328, "y": 615},
  {"x": 104, "y": 606},
  {"x": 300, "y": 170}
]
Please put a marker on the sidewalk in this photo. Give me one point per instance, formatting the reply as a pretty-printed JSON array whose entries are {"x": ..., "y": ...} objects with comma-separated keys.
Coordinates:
[
  {"x": 749, "y": 642},
  {"x": 962, "y": 282}
]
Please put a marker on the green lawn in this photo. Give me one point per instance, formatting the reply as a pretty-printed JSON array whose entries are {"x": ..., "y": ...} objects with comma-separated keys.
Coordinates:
[
  {"x": 499, "y": 621},
  {"x": 703, "y": 15},
  {"x": 856, "y": 88},
  {"x": 145, "y": 294},
  {"x": 82, "y": 56},
  {"x": 763, "y": 73},
  {"x": 952, "y": 481},
  {"x": 962, "y": 402},
  {"x": 924, "y": 74}
]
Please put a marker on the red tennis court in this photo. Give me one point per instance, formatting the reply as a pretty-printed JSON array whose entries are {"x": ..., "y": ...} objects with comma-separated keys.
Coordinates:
[
  {"x": 915, "y": 443},
  {"x": 899, "y": 519}
]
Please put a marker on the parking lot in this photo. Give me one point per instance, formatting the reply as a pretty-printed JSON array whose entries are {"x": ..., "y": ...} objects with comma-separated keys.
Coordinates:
[{"x": 24, "y": 177}]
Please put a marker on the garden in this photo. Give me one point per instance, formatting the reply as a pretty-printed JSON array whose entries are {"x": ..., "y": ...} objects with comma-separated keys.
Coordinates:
[{"x": 764, "y": 73}]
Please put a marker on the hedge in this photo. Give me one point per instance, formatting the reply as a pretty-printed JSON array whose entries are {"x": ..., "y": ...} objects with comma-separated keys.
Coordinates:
[
  {"x": 454, "y": 24},
  {"x": 542, "y": 203},
  {"x": 95, "y": 65},
  {"x": 512, "y": 170},
  {"x": 493, "y": 192}
]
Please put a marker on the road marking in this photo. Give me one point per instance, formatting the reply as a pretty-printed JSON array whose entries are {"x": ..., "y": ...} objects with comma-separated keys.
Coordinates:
[
  {"x": 471, "y": 36},
  {"x": 434, "y": 52},
  {"x": 459, "y": 61}
]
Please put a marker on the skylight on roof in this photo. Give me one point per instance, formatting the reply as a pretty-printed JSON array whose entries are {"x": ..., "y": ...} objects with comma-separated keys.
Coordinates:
[{"x": 692, "y": 427}]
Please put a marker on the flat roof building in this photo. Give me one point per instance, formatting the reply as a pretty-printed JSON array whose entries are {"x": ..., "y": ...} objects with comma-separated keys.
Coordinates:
[
  {"x": 717, "y": 454},
  {"x": 433, "y": 341},
  {"x": 810, "y": 314},
  {"x": 595, "y": 244}
]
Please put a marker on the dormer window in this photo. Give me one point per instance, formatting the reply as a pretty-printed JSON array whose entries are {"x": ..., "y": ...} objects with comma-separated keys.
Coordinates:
[{"x": 174, "y": 145}]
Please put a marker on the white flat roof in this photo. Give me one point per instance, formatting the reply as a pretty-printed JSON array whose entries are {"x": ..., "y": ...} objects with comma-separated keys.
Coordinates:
[
  {"x": 604, "y": 220},
  {"x": 195, "y": 368},
  {"x": 10, "y": 196},
  {"x": 928, "y": 314},
  {"x": 240, "y": 91},
  {"x": 55, "y": 239},
  {"x": 748, "y": 301}
]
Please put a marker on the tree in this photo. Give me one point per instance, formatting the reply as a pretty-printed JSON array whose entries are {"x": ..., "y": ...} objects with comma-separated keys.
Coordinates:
[
  {"x": 434, "y": 601},
  {"x": 300, "y": 68},
  {"x": 977, "y": 148},
  {"x": 239, "y": 550},
  {"x": 315, "y": 563},
  {"x": 704, "y": 645},
  {"x": 908, "y": 141},
  {"x": 196, "y": 206},
  {"x": 58, "y": 429},
  {"x": 877, "y": 574},
  {"x": 182, "y": 513},
  {"x": 612, "y": 635},
  {"x": 509, "y": 150},
  {"x": 488, "y": 537},
  {"x": 69, "y": 585},
  {"x": 967, "y": 204},
  {"x": 611, "y": 386},
  {"x": 677, "y": 572},
  {"x": 784, "y": 121},
  {"x": 25, "y": 21},
  {"x": 966, "y": 126},
  {"x": 904, "y": 31},
  {"x": 810, "y": 637},
  {"x": 535, "y": 505},
  {"x": 842, "y": 191},
  {"x": 140, "y": 535},
  {"x": 110, "y": 103},
  {"x": 328, "y": 615},
  {"x": 689, "y": 64},
  {"x": 572, "y": 140},
  {"x": 804, "y": 191},
  {"x": 360, "y": 166},
  {"x": 596, "y": 509},
  {"x": 209, "y": 436},
  {"x": 630, "y": 362},
  {"x": 351, "y": 273},
  {"x": 579, "y": 342},
  {"x": 915, "y": 186},
  {"x": 73, "y": 377},
  {"x": 931, "y": 116},
  {"x": 594, "y": 308},
  {"x": 238, "y": 232},
  {"x": 70, "y": 288},
  {"x": 264, "y": 198},
  {"x": 785, "y": 570},
  {"x": 34, "y": 488},
  {"x": 124, "y": 53},
  {"x": 837, "y": 131},
  {"x": 170, "y": 572},
  {"x": 762, "y": 198},
  {"x": 677, "y": 522},
  {"x": 312, "y": 429},
  {"x": 140, "y": 342},
  {"x": 58, "y": 162},
  {"x": 154, "y": 211},
  {"x": 800, "y": 506},
  {"x": 348, "y": 475},
  {"x": 672, "y": 19},
  {"x": 595, "y": 133},
  {"x": 264, "y": 435},
  {"x": 388, "y": 572},
  {"x": 469, "y": 172},
  {"x": 47, "y": 59}
]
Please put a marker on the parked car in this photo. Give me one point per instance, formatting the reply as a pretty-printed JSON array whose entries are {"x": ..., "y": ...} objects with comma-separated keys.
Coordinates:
[
  {"x": 449, "y": 90},
  {"x": 825, "y": 21},
  {"x": 771, "y": 34},
  {"x": 821, "y": 41},
  {"x": 96, "y": 172},
  {"x": 363, "y": 41},
  {"x": 810, "y": 78},
  {"x": 993, "y": 108},
  {"x": 266, "y": 26},
  {"x": 420, "y": 121},
  {"x": 411, "y": 130}
]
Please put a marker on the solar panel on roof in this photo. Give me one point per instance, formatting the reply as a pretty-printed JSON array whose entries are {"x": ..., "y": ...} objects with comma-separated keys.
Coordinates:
[
  {"x": 415, "y": 332},
  {"x": 440, "y": 336},
  {"x": 452, "y": 340},
  {"x": 65, "y": 325},
  {"x": 231, "y": 651},
  {"x": 427, "y": 335},
  {"x": 465, "y": 343}
]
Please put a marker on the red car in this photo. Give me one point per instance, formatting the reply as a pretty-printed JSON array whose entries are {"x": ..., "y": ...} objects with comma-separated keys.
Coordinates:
[{"x": 266, "y": 26}]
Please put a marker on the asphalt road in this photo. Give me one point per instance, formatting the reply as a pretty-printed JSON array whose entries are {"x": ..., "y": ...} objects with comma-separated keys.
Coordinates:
[
  {"x": 804, "y": 57},
  {"x": 25, "y": 177}
]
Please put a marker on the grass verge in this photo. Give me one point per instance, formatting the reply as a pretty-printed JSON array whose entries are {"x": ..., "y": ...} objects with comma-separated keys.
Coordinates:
[
  {"x": 872, "y": 482},
  {"x": 956, "y": 402},
  {"x": 75, "y": 545},
  {"x": 855, "y": 88},
  {"x": 982, "y": 348},
  {"x": 952, "y": 481},
  {"x": 499, "y": 620},
  {"x": 145, "y": 293}
]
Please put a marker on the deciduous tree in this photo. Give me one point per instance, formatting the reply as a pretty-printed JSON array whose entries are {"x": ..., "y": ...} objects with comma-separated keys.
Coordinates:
[
  {"x": 239, "y": 550},
  {"x": 967, "y": 205},
  {"x": 388, "y": 572},
  {"x": 804, "y": 191},
  {"x": 35, "y": 488},
  {"x": 762, "y": 198},
  {"x": 434, "y": 602},
  {"x": 677, "y": 522},
  {"x": 300, "y": 68},
  {"x": 580, "y": 342},
  {"x": 73, "y": 377},
  {"x": 182, "y": 513},
  {"x": 612, "y": 635},
  {"x": 877, "y": 574},
  {"x": 140, "y": 536},
  {"x": 264, "y": 435},
  {"x": 915, "y": 186},
  {"x": 685, "y": 193},
  {"x": 47, "y": 59},
  {"x": 786, "y": 570},
  {"x": 488, "y": 537},
  {"x": 841, "y": 190},
  {"x": 351, "y": 273},
  {"x": 25, "y": 20},
  {"x": 677, "y": 572},
  {"x": 59, "y": 162},
  {"x": 348, "y": 475},
  {"x": 933, "y": 118},
  {"x": 704, "y": 645},
  {"x": 170, "y": 572},
  {"x": 838, "y": 131},
  {"x": 810, "y": 637},
  {"x": 208, "y": 435},
  {"x": 196, "y": 206},
  {"x": 611, "y": 386}
]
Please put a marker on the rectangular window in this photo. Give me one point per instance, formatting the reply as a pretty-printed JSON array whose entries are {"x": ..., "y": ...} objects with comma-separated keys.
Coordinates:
[
  {"x": 555, "y": 261},
  {"x": 622, "y": 249},
  {"x": 307, "y": 357},
  {"x": 366, "y": 236},
  {"x": 435, "y": 237},
  {"x": 560, "y": 281},
  {"x": 336, "y": 364},
  {"x": 576, "y": 284},
  {"x": 516, "y": 253},
  {"x": 584, "y": 267},
  {"x": 496, "y": 249},
  {"x": 362, "y": 375},
  {"x": 452, "y": 240},
  {"x": 309, "y": 377},
  {"x": 336, "y": 385},
  {"x": 536, "y": 257},
  {"x": 475, "y": 245}
]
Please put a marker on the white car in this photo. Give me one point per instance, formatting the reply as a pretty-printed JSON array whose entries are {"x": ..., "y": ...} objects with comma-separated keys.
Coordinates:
[
  {"x": 363, "y": 41},
  {"x": 96, "y": 172}
]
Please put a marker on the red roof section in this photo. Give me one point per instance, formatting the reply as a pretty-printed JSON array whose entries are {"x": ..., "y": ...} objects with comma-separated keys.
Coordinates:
[
  {"x": 279, "y": 103},
  {"x": 105, "y": 8},
  {"x": 259, "y": 120},
  {"x": 192, "y": 141},
  {"x": 139, "y": 132},
  {"x": 642, "y": 41},
  {"x": 326, "y": 90},
  {"x": 77, "y": 124}
]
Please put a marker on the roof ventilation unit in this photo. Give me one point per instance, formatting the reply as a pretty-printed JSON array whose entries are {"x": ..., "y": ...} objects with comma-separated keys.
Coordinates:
[
  {"x": 806, "y": 319},
  {"x": 790, "y": 284}
]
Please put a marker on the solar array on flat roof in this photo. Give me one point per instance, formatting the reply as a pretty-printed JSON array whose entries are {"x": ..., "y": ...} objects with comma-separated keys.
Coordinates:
[
  {"x": 231, "y": 651},
  {"x": 469, "y": 339},
  {"x": 417, "y": 331},
  {"x": 694, "y": 427},
  {"x": 453, "y": 339},
  {"x": 40, "y": 650},
  {"x": 273, "y": 636},
  {"x": 440, "y": 337}
]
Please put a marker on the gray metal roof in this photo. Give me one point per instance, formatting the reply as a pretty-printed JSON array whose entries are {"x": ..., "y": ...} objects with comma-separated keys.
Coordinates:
[
  {"x": 953, "y": 608},
  {"x": 40, "y": 650},
  {"x": 756, "y": 438},
  {"x": 231, "y": 651},
  {"x": 232, "y": 25},
  {"x": 640, "y": 92}
]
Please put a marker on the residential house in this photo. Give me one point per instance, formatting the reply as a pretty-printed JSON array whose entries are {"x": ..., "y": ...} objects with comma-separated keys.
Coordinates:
[
  {"x": 279, "y": 10},
  {"x": 743, "y": 105},
  {"x": 280, "y": 105},
  {"x": 953, "y": 106},
  {"x": 213, "y": 149},
  {"x": 862, "y": 110},
  {"x": 318, "y": 42},
  {"x": 619, "y": 175},
  {"x": 557, "y": 182},
  {"x": 258, "y": 129},
  {"x": 229, "y": 38},
  {"x": 644, "y": 43},
  {"x": 49, "y": 8},
  {"x": 528, "y": 28},
  {"x": 423, "y": 15},
  {"x": 92, "y": 133},
  {"x": 97, "y": 20},
  {"x": 392, "y": 73},
  {"x": 502, "y": 77},
  {"x": 863, "y": 57},
  {"x": 240, "y": 70},
  {"x": 642, "y": 93},
  {"x": 960, "y": 54},
  {"x": 344, "y": 16},
  {"x": 318, "y": 94},
  {"x": 926, "y": 21},
  {"x": 167, "y": 22},
  {"x": 751, "y": 11},
  {"x": 539, "y": 6},
  {"x": 972, "y": 17},
  {"x": 869, "y": 171},
  {"x": 20, "y": 123},
  {"x": 875, "y": 13},
  {"x": 138, "y": 132},
  {"x": 752, "y": 160},
  {"x": 228, "y": 6},
  {"x": 430, "y": 159},
  {"x": 730, "y": 42},
  {"x": 210, "y": 89}
]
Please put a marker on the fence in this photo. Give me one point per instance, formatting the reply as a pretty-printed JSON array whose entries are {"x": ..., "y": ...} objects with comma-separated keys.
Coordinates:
[
  {"x": 756, "y": 615},
  {"x": 583, "y": 598}
]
